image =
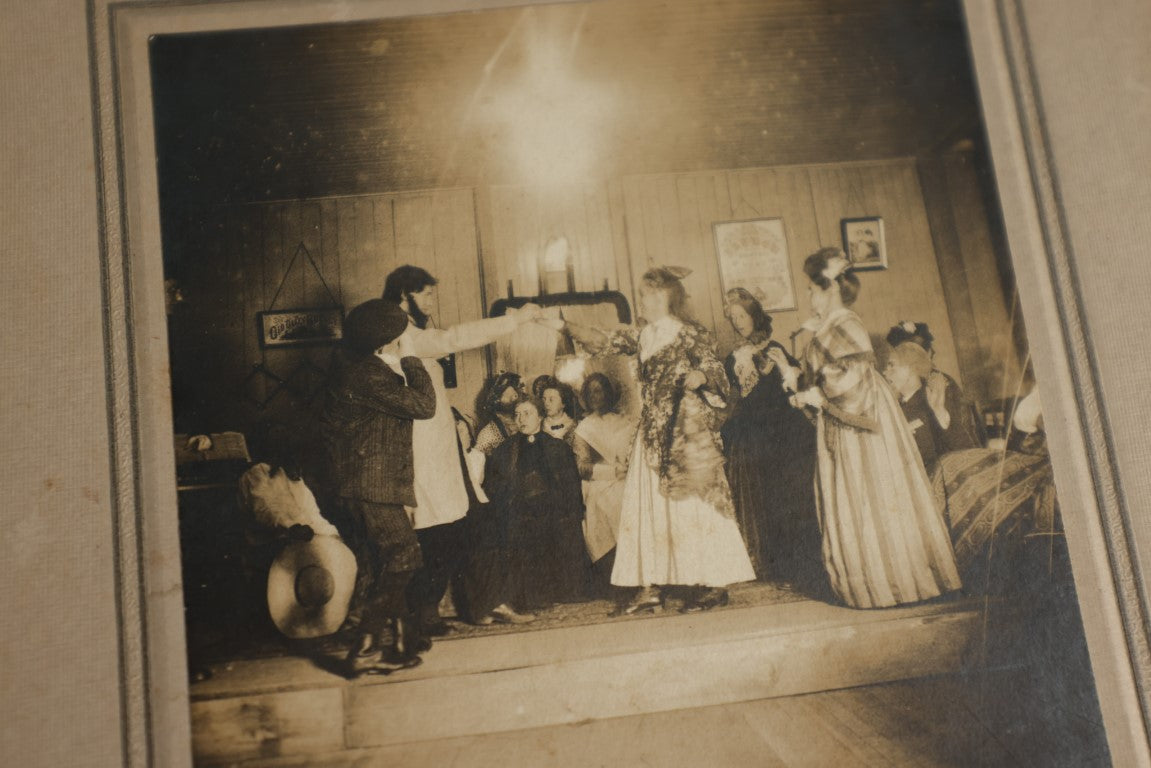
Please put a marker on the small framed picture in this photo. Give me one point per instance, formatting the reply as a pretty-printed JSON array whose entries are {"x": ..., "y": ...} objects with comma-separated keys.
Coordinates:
[
  {"x": 864, "y": 243},
  {"x": 300, "y": 327}
]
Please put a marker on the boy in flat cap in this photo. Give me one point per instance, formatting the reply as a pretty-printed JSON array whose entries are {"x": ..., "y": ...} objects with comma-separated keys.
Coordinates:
[{"x": 375, "y": 391}]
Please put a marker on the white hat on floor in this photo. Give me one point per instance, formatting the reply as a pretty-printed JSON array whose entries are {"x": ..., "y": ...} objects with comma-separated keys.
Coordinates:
[{"x": 310, "y": 587}]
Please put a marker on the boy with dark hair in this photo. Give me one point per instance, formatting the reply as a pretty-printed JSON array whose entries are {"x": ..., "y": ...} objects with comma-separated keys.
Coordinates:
[{"x": 376, "y": 391}]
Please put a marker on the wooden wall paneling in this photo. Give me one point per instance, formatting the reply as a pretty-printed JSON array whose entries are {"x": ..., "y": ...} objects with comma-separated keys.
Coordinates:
[
  {"x": 704, "y": 198},
  {"x": 329, "y": 239},
  {"x": 378, "y": 250},
  {"x": 992, "y": 315},
  {"x": 561, "y": 214},
  {"x": 910, "y": 288},
  {"x": 495, "y": 284},
  {"x": 282, "y": 289},
  {"x": 645, "y": 226},
  {"x": 494, "y": 206},
  {"x": 515, "y": 213},
  {"x": 293, "y": 276},
  {"x": 579, "y": 229},
  {"x": 309, "y": 232},
  {"x": 650, "y": 232},
  {"x": 414, "y": 233},
  {"x": 529, "y": 241},
  {"x": 621, "y": 250},
  {"x": 320, "y": 287},
  {"x": 520, "y": 234},
  {"x": 250, "y": 222},
  {"x": 454, "y": 227},
  {"x": 905, "y": 186},
  {"x": 779, "y": 193},
  {"x": 665, "y": 214},
  {"x": 953, "y": 271},
  {"x": 270, "y": 264},
  {"x": 237, "y": 235},
  {"x": 601, "y": 256},
  {"x": 364, "y": 249}
]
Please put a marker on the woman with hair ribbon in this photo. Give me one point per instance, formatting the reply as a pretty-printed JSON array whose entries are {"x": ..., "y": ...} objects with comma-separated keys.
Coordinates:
[
  {"x": 677, "y": 530},
  {"x": 885, "y": 541}
]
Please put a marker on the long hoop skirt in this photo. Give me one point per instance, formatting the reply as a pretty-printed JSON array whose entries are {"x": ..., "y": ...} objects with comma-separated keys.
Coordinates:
[{"x": 885, "y": 540}]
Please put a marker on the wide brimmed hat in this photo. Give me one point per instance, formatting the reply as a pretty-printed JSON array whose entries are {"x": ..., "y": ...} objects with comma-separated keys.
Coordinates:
[
  {"x": 373, "y": 324},
  {"x": 310, "y": 586}
]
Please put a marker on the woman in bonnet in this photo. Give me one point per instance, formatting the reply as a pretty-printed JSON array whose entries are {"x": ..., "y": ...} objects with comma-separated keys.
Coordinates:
[
  {"x": 885, "y": 541},
  {"x": 677, "y": 526}
]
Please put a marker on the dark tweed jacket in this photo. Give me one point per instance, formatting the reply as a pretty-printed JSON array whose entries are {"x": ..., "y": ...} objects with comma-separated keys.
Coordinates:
[{"x": 366, "y": 421}]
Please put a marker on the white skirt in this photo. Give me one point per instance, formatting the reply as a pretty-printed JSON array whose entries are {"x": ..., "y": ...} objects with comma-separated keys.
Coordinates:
[{"x": 666, "y": 541}]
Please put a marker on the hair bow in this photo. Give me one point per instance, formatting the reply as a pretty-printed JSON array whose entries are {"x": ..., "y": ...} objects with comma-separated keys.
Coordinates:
[
  {"x": 678, "y": 273},
  {"x": 836, "y": 266}
]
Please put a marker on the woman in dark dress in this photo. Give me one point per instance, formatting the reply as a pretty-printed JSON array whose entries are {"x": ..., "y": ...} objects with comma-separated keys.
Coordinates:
[
  {"x": 770, "y": 451},
  {"x": 942, "y": 404},
  {"x": 534, "y": 485}
]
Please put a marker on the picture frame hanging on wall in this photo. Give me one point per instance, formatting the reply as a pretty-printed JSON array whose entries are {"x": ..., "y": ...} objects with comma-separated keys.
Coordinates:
[
  {"x": 753, "y": 255},
  {"x": 300, "y": 327},
  {"x": 864, "y": 242}
]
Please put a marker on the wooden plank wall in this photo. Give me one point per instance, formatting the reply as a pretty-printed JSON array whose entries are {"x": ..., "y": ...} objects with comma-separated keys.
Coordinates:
[
  {"x": 246, "y": 252},
  {"x": 516, "y": 224},
  {"x": 476, "y": 241},
  {"x": 980, "y": 299},
  {"x": 670, "y": 218}
]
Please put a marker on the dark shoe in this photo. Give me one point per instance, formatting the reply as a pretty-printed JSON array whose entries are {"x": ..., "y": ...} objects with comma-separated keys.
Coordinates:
[
  {"x": 362, "y": 656},
  {"x": 705, "y": 601},
  {"x": 431, "y": 625},
  {"x": 437, "y": 628},
  {"x": 407, "y": 643}
]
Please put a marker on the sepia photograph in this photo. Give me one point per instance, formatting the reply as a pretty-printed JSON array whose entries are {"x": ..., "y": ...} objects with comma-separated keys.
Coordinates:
[
  {"x": 864, "y": 243},
  {"x": 531, "y": 385}
]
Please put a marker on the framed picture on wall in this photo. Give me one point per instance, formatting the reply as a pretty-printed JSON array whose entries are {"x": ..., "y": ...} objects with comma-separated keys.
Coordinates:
[
  {"x": 863, "y": 242},
  {"x": 300, "y": 327},
  {"x": 753, "y": 255}
]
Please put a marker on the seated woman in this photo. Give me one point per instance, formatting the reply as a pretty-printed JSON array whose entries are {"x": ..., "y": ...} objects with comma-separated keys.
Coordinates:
[
  {"x": 602, "y": 443},
  {"x": 770, "y": 451},
  {"x": 531, "y": 531},
  {"x": 561, "y": 409},
  {"x": 907, "y": 370},
  {"x": 498, "y": 409},
  {"x": 952, "y": 419},
  {"x": 995, "y": 498}
]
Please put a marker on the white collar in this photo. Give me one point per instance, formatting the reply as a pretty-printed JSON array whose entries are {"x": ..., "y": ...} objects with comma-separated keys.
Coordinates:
[{"x": 658, "y": 334}]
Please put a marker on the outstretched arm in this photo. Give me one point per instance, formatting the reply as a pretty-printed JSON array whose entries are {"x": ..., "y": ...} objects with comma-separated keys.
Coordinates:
[
  {"x": 431, "y": 343},
  {"x": 624, "y": 341}
]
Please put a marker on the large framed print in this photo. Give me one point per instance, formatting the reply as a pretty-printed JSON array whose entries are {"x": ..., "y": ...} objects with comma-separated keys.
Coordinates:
[
  {"x": 454, "y": 136},
  {"x": 753, "y": 255}
]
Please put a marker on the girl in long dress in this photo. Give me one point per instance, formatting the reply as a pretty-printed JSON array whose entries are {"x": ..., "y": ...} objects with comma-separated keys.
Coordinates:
[
  {"x": 677, "y": 525},
  {"x": 602, "y": 443},
  {"x": 885, "y": 541}
]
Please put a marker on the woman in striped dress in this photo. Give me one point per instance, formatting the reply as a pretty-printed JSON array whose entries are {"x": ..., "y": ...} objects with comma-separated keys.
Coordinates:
[{"x": 885, "y": 541}]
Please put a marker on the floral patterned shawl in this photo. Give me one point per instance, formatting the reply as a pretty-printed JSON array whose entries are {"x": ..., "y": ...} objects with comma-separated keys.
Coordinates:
[{"x": 680, "y": 429}]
